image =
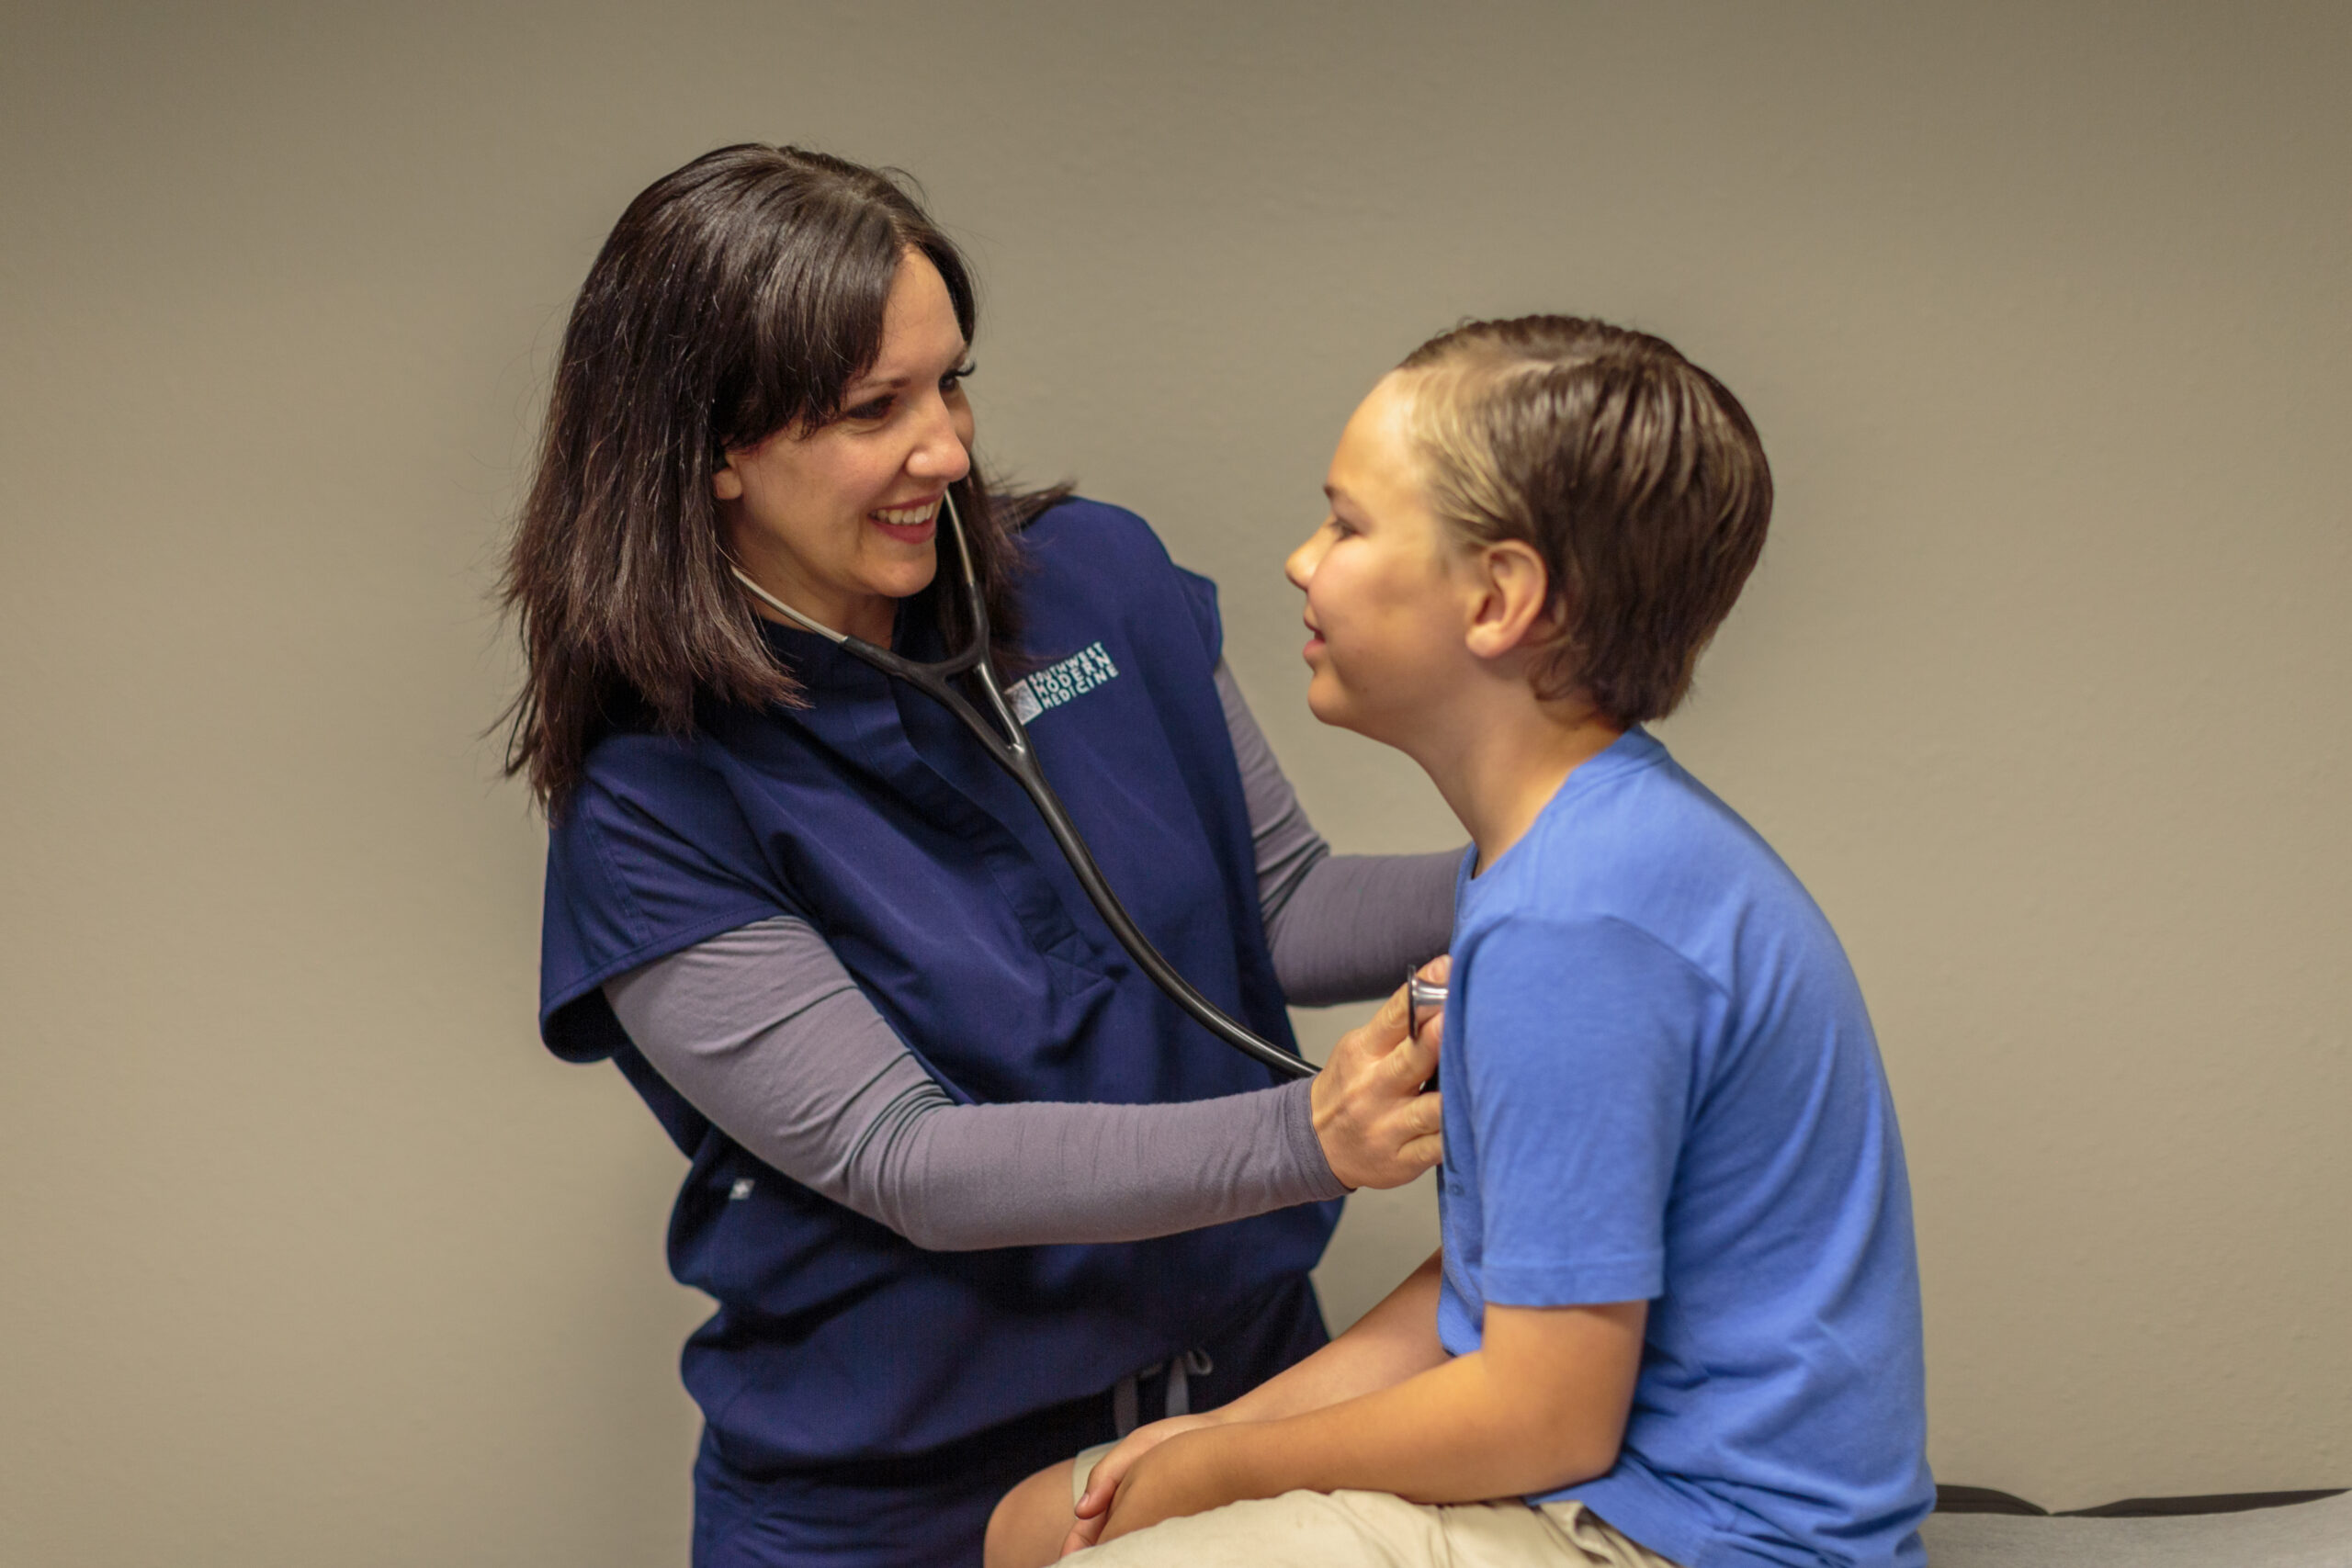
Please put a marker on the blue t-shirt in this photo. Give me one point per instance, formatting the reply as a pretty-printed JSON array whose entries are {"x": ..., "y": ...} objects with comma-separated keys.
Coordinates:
[{"x": 1662, "y": 1084}]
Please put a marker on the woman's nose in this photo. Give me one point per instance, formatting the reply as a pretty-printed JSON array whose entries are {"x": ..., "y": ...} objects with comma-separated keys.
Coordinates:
[{"x": 940, "y": 452}]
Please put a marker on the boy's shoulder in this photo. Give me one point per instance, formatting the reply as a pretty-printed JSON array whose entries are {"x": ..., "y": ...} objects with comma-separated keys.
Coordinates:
[
  {"x": 1633, "y": 839},
  {"x": 1629, "y": 826}
]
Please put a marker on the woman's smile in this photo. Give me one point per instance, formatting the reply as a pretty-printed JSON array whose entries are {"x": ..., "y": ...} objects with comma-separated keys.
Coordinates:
[{"x": 911, "y": 525}]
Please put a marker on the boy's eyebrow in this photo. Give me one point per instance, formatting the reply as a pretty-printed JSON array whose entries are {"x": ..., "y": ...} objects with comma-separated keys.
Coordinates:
[{"x": 1343, "y": 501}]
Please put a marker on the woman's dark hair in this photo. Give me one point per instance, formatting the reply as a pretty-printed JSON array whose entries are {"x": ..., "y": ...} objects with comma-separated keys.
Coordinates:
[
  {"x": 1635, "y": 476},
  {"x": 741, "y": 296}
]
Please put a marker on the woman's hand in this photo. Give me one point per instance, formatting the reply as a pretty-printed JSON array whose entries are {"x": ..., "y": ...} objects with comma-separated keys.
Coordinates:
[
  {"x": 1093, "y": 1510},
  {"x": 1377, "y": 1126}
]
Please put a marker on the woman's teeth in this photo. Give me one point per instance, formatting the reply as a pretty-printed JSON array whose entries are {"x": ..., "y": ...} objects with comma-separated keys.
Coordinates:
[{"x": 906, "y": 516}]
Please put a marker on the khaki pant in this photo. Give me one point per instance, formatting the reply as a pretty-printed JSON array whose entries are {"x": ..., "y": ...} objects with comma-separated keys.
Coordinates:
[{"x": 1343, "y": 1529}]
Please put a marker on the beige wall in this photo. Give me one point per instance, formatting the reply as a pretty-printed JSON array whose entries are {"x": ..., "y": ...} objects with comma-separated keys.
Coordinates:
[{"x": 310, "y": 1256}]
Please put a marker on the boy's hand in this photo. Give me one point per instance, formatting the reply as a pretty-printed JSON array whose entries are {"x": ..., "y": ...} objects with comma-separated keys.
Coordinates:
[
  {"x": 1377, "y": 1126},
  {"x": 1094, "y": 1509},
  {"x": 1183, "y": 1475}
]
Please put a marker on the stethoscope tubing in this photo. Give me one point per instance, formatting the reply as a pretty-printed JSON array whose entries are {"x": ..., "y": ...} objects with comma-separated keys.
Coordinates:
[{"x": 1013, "y": 751}]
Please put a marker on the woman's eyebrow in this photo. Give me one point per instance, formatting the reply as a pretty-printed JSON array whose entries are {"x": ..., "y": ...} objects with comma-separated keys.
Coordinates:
[{"x": 871, "y": 383}]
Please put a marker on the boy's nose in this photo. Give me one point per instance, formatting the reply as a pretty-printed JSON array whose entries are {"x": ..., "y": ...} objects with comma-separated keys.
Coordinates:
[{"x": 1300, "y": 568}]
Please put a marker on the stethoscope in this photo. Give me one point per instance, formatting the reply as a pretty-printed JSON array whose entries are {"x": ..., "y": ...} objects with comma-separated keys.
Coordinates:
[{"x": 1013, "y": 751}]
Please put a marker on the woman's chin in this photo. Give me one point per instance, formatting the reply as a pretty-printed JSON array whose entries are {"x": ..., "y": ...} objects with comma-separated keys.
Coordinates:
[{"x": 906, "y": 580}]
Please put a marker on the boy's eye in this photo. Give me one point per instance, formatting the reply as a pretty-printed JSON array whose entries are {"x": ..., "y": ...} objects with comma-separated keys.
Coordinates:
[
  {"x": 879, "y": 408},
  {"x": 953, "y": 380}
]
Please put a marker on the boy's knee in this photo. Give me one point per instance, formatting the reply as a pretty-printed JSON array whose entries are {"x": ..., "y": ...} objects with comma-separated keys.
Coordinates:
[{"x": 1030, "y": 1521}]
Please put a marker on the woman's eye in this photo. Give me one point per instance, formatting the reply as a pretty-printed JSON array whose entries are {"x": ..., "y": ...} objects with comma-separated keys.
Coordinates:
[{"x": 875, "y": 410}]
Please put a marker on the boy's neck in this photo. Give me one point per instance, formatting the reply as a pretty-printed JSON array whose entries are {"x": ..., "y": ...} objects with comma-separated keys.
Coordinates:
[{"x": 1502, "y": 755}]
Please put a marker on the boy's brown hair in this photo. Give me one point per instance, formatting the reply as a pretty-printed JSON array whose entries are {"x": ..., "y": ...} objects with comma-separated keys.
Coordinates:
[{"x": 1635, "y": 475}]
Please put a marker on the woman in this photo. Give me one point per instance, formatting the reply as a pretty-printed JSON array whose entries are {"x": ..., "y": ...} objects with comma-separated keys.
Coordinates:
[{"x": 969, "y": 1192}]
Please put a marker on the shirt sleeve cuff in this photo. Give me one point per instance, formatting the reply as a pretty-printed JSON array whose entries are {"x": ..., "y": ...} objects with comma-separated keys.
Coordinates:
[
  {"x": 1587, "y": 1283},
  {"x": 1312, "y": 1167}
]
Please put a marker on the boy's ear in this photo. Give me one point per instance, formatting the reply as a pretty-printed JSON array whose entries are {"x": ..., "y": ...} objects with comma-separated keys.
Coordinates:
[
  {"x": 1509, "y": 610},
  {"x": 725, "y": 484}
]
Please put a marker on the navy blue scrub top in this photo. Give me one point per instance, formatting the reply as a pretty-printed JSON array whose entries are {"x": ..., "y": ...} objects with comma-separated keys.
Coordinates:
[{"x": 872, "y": 815}]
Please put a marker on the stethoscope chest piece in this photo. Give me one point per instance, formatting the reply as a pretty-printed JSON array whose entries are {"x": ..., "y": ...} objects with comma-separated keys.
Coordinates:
[{"x": 1421, "y": 999}]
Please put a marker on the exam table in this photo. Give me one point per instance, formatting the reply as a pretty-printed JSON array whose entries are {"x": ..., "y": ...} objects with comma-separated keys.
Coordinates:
[{"x": 1973, "y": 1526}]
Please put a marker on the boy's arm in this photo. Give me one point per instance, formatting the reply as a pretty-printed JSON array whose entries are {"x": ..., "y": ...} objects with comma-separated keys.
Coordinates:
[
  {"x": 1584, "y": 1034},
  {"x": 1389, "y": 1344},
  {"x": 1540, "y": 1405}
]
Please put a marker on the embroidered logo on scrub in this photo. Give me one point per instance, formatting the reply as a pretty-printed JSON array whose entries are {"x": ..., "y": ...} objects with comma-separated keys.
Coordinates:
[{"x": 1057, "y": 684}]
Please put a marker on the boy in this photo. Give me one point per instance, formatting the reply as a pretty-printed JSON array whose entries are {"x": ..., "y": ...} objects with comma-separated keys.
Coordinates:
[{"x": 1675, "y": 1319}]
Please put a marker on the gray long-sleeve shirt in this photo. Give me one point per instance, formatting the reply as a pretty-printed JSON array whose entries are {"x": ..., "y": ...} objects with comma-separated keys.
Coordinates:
[{"x": 763, "y": 1031}]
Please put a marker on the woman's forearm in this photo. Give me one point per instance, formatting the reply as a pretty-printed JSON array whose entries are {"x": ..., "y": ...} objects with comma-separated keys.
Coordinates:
[
  {"x": 958, "y": 1178},
  {"x": 765, "y": 1033}
]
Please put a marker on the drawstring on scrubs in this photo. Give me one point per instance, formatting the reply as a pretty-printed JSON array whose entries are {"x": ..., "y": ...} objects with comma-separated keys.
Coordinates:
[{"x": 1126, "y": 1398}]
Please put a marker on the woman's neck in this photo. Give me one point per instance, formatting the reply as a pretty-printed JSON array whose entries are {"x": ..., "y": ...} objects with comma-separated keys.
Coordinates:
[{"x": 870, "y": 618}]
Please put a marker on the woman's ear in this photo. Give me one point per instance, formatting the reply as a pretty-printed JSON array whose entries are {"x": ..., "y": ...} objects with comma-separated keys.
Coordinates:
[
  {"x": 725, "y": 484},
  {"x": 1514, "y": 592}
]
